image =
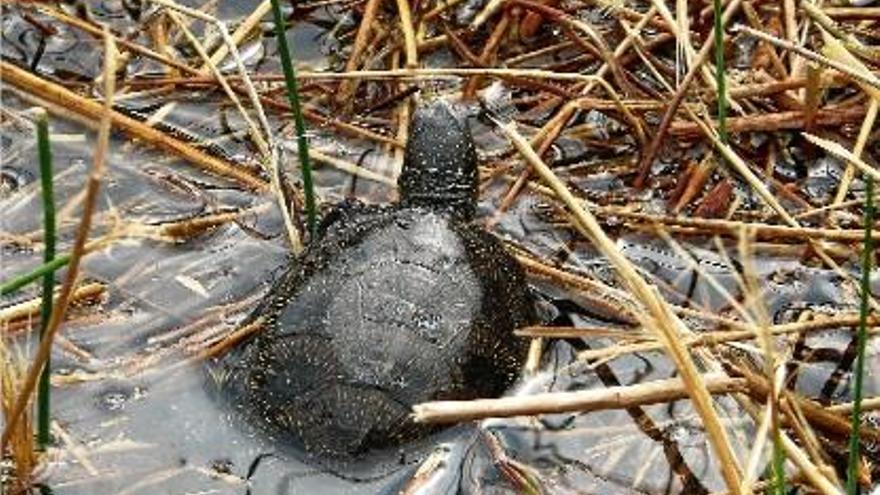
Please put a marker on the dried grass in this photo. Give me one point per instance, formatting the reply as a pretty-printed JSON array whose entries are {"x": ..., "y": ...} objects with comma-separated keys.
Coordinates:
[{"x": 801, "y": 54}]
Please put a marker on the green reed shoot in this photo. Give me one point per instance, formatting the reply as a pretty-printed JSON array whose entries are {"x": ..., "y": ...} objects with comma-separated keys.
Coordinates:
[
  {"x": 777, "y": 466},
  {"x": 22, "y": 280},
  {"x": 778, "y": 484},
  {"x": 45, "y": 154},
  {"x": 720, "y": 80},
  {"x": 293, "y": 97},
  {"x": 852, "y": 472}
]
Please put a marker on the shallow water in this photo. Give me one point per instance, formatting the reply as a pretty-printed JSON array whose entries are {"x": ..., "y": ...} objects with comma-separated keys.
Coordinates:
[{"x": 134, "y": 407}]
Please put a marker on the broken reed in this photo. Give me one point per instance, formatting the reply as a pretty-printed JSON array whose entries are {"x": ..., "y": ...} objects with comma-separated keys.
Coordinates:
[
  {"x": 293, "y": 98},
  {"x": 852, "y": 472},
  {"x": 46, "y": 179}
]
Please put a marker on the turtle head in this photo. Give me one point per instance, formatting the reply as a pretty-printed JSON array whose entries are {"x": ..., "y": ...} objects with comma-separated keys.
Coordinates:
[{"x": 440, "y": 163}]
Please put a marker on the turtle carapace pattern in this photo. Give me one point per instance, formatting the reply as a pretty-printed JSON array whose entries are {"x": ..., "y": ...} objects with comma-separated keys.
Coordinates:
[{"x": 387, "y": 307}]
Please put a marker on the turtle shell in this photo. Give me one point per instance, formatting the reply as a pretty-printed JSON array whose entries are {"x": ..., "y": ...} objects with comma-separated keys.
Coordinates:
[{"x": 390, "y": 307}]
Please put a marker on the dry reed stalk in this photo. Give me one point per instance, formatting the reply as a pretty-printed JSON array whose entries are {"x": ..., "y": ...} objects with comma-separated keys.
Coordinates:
[
  {"x": 64, "y": 98},
  {"x": 851, "y": 72},
  {"x": 348, "y": 88},
  {"x": 77, "y": 450},
  {"x": 533, "y": 358},
  {"x": 811, "y": 471},
  {"x": 211, "y": 317},
  {"x": 852, "y": 13},
  {"x": 157, "y": 29},
  {"x": 818, "y": 416},
  {"x": 21, "y": 442},
  {"x": 744, "y": 171},
  {"x": 605, "y": 53},
  {"x": 489, "y": 51},
  {"x": 31, "y": 308},
  {"x": 730, "y": 228},
  {"x": 251, "y": 22},
  {"x": 351, "y": 168},
  {"x": 523, "y": 478},
  {"x": 647, "y": 159},
  {"x": 210, "y": 67},
  {"x": 92, "y": 186},
  {"x": 438, "y": 9},
  {"x": 620, "y": 397},
  {"x": 191, "y": 227},
  {"x": 351, "y": 129},
  {"x": 766, "y": 88},
  {"x": 774, "y": 370},
  {"x": 659, "y": 317},
  {"x": 653, "y": 64},
  {"x": 447, "y": 73},
  {"x": 308, "y": 113},
  {"x": 828, "y": 208},
  {"x": 740, "y": 332},
  {"x": 790, "y": 23},
  {"x": 265, "y": 146},
  {"x": 198, "y": 13},
  {"x": 417, "y": 483},
  {"x": 868, "y": 404},
  {"x": 589, "y": 103},
  {"x": 551, "y": 130},
  {"x": 696, "y": 181},
  {"x": 858, "y": 148},
  {"x": 409, "y": 35},
  {"x": 231, "y": 340},
  {"x": 848, "y": 40},
  {"x": 807, "y": 437},
  {"x": 134, "y": 47},
  {"x": 775, "y": 121},
  {"x": 404, "y": 112},
  {"x": 812, "y": 97},
  {"x": 536, "y": 53},
  {"x": 621, "y": 333},
  {"x": 432, "y": 44},
  {"x": 837, "y": 51},
  {"x": 778, "y": 68},
  {"x": 698, "y": 271},
  {"x": 682, "y": 39},
  {"x": 756, "y": 457},
  {"x": 844, "y": 154},
  {"x": 605, "y": 298},
  {"x": 229, "y": 46},
  {"x": 489, "y": 9}
]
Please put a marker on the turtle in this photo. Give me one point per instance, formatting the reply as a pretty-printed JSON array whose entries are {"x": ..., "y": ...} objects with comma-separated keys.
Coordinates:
[{"x": 388, "y": 306}]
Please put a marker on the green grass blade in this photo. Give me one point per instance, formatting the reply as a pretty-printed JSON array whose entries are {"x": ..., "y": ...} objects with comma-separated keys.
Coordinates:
[
  {"x": 45, "y": 153},
  {"x": 778, "y": 485},
  {"x": 852, "y": 483},
  {"x": 38, "y": 272},
  {"x": 293, "y": 97},
  {"x": 720, "y": 79}
]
